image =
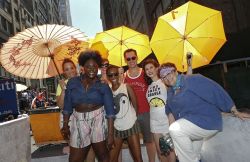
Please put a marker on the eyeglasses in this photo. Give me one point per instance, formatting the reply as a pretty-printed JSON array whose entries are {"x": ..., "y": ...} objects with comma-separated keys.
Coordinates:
[
  {"x": 112, "y": 75},
  {"x": 168, "y": 76},
  {"x": 105, "y": 65},
  {"x": 131, "y": 58}
]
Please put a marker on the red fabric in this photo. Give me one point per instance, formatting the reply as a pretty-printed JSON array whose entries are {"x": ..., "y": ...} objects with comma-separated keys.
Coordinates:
[{"x": 140, "y": 87}]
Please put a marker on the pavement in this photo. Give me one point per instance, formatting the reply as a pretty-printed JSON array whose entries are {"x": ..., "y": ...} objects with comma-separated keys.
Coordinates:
[
  {"x": 230, "y": 145},
  {"x": 54, "y": 153}
]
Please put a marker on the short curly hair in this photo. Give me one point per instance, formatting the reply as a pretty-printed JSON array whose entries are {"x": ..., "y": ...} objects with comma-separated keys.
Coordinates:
[{"x": 89, "y": 54}]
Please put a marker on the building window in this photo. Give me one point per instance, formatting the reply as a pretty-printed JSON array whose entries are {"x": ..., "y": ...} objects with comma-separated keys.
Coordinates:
[
  {"x": 166, "y": 5},
  {"x": 3, "y": 23},
  {"x": 9, "y": 28},
  {"x": 135, "y": 8},
  {"x": 157, "y": 12},
  {"x": 2, "y": 4},
  {"x": 141, "y": 26},
  {"x": 7, "y": 7},
  {"x": 16, "y": 16}
]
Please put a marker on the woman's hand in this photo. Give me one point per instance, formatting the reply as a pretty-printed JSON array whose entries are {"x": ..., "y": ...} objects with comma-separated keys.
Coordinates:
[
  {"x": 62, "y": 84},
  {"x": 65, "y": 132},
  {"x": 241, "y": 115},
  {"x": 110, "y": 142},
  {"x": 238, "y": 114}
]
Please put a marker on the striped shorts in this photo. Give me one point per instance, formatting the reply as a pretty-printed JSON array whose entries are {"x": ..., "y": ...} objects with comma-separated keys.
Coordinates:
[
  {"x": 87, "y": 128},
  {"x": 129, "y": 132}
]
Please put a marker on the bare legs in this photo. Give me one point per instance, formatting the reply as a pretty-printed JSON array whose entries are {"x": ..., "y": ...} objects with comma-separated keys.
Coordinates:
[
  {"x": 80, "y": 154},
  {"x": 151, "y": 151},
  {"x": 134, "y": 147}
]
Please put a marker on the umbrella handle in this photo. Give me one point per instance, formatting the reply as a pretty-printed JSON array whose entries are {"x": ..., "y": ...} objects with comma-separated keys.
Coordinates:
[
  {"x": 56, "y": 67},
  {"x": 52, "y": 57}
]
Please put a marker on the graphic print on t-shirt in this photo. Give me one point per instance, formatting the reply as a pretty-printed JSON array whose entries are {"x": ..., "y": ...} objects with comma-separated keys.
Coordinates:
[
  {"x": 121, "y": 103},
  {"x": 155, "y": 101}
]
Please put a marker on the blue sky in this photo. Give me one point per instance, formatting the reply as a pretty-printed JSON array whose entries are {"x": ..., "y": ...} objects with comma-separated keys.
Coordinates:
[{"x": 85, "y": 15}]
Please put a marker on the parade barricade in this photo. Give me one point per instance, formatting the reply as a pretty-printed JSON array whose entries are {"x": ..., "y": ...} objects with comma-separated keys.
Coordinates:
[
  {"x": 15, "y": 140},
  {"x": 45, "y": 125}
]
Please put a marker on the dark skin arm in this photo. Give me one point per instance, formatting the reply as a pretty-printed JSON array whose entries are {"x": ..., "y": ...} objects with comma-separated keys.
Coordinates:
[
  {"x": 132, "y": 97},
  {"x": 110, "y": 140},
  {"x": 65, "y": 129}
]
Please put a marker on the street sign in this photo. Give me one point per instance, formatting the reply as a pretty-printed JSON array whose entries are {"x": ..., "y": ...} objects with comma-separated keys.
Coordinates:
[{"x": 8, "y": 98}]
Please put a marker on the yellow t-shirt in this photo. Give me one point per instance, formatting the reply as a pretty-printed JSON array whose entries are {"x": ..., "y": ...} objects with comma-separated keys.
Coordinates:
[{"x": 59, "y": 89}]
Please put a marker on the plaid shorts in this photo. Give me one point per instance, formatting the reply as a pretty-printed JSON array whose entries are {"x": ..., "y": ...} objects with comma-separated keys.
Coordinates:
[{"x": 87, "y": 128}]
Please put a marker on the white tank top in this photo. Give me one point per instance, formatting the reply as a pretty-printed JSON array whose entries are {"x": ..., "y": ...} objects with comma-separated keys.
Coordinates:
[{"x": 125, "y": 112}]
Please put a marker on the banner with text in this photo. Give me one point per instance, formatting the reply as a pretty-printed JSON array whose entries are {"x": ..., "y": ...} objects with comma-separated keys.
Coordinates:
[{"x": 8, "y": 99}]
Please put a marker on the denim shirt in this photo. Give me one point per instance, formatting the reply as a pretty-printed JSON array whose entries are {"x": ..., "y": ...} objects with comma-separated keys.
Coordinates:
[
  {"x": 200, "y": 101},
  {"x": 98, "y": 94}
]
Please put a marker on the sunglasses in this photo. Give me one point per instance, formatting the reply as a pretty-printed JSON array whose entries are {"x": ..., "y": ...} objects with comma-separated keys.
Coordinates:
[
  {"x": 105, "y": 65},
  {"x": 112, "y": 75},
  {"x": 131, "y": 58}
]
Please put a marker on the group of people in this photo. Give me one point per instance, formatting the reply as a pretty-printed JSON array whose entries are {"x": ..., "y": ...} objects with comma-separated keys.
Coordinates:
[
  {"x": 32, "y": 99},
  {"x": 99, "y": 113}
]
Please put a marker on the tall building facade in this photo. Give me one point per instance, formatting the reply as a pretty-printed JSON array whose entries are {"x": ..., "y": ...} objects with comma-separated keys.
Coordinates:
[
  {"x": 131, "y": 13},
  {"x": 236, "y": 13},
  {"x": 64, "y": 8},
  {"x": 17, "y": 15}
]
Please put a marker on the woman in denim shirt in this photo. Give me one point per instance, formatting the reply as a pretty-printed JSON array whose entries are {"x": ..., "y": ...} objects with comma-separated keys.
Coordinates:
[{"x": 88, "y": 100}]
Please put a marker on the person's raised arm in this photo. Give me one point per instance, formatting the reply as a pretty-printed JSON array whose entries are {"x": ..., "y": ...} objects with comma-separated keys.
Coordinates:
[
  {"x": 60, "y": 93},
  {"x": 189, "y": 63}
]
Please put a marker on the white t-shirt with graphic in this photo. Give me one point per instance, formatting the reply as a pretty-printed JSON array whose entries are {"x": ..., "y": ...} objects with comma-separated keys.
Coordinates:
[
  {"x": 157, "y": 97},
  {"x": 125, "y": 112}
]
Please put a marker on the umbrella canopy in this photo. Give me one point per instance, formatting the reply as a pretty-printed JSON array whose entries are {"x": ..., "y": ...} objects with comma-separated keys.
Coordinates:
[
  {"x": 29, "y": 53},
  {"x": 99, "y": 46},
  {"x": 117, "y": 40},
  {"x": 189, "y": 28},
  {"x": 20, "y": 87},
  {"x": 70, "y": 50}
]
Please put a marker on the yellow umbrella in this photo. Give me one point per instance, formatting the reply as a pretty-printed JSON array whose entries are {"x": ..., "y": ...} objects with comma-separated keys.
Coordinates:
[
  {"x": 99, "y": 46},
  {"x": 70, "y": 50},
  {"x": 119, "y": 39},
  {"x": 189, "y": 28}
]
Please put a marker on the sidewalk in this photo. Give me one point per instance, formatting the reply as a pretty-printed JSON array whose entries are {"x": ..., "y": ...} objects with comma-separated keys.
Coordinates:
[{"x": 53, "y": 153}]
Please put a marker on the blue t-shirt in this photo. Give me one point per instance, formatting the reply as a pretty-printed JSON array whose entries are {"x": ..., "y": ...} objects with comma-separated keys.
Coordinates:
[
  {"x": 98, "y": 94},
  {"x": 200, "y": 101}
]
